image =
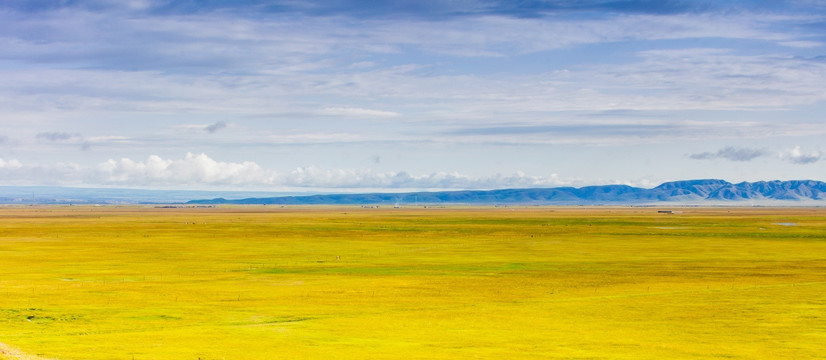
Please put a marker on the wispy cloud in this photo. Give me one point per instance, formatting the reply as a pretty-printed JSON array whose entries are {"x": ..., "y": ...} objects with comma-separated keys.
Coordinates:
[
  {"x": 85, "y": 142},
  {"x": 731, "y": 153},
  {"x": 430, "y": 9},
  {"x": 243, "y": 64},
  {"x": 631, "y": 130},
  {"x": 584, "y": 128},
  {"x": 65, "y": 138},
  {"x": 679, "y": 79},
  {"x": 315, "y": 138},
  {"x": 797, "y": 156},
  {"x": 357, "y": 112},
  {"x": 179, "y": 41},
  {"x": 202, "y": 128},
  {"x": 57, "y": 136}
]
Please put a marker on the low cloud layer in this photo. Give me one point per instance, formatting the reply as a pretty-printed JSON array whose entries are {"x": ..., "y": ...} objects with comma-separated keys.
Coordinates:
[
  {"x": 347, "y": 178},
  {"x": 15, "y": 172},
  {"x": 797, "y": 156},
  {"x": 199, "y": 170},
  {"x": 731, "y": 153}
]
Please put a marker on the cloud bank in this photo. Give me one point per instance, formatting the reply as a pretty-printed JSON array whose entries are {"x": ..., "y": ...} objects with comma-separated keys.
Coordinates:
[{"x": 200, "y": 170}]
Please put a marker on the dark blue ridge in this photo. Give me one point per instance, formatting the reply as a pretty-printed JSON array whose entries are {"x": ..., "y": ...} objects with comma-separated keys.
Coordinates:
[{"x": 690, "y": 191}]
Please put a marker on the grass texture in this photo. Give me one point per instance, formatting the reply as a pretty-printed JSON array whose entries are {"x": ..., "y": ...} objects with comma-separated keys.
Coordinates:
[{"x": 452, "y": 283}]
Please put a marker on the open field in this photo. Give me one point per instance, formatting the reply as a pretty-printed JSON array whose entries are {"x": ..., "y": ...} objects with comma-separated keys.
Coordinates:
[{"x": 352, "y": 283}]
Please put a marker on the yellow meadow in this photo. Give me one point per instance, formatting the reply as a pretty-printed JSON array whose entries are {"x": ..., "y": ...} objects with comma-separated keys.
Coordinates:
[{"x": 443, "y": 283}]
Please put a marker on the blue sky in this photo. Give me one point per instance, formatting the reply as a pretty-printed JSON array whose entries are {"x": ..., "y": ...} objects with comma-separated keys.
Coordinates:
[{"x": 379, "y": 95}]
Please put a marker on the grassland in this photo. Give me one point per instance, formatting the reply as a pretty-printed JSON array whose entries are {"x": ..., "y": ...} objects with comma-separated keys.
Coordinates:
[{"x": 352, "y": 283}]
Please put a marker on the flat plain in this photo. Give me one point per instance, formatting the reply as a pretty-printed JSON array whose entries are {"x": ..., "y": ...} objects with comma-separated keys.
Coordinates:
[{"x": 439, "y": 283}]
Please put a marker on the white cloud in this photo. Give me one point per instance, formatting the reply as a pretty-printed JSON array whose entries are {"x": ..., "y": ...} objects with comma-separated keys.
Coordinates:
[
  {"x": 797, "y": 156},
  {"x": 191, "y": 170}
]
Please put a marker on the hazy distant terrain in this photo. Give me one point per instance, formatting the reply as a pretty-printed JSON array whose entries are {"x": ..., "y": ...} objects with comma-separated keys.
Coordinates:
[
  {"x": 68, "y": 195},
  {"x": 689, "y": 191}
]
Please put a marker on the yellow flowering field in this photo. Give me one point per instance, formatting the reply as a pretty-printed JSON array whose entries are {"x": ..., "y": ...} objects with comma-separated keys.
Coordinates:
[{"x": 418, "y": 283}]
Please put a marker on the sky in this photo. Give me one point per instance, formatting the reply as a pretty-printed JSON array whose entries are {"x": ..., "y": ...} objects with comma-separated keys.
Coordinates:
[{"x": 352, "y": 96}]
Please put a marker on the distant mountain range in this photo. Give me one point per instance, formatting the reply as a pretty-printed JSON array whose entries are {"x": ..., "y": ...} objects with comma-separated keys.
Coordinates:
[{"x": 708, "y": 191}]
